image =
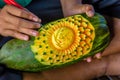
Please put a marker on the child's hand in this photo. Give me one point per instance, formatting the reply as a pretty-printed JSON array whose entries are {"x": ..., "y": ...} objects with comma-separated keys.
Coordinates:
[
  {"x": 72, "y": 7},
  {"x": 79, "y": 9},
  {"x": 18, "y": 23},
  {"x": 97, "y": 56}
]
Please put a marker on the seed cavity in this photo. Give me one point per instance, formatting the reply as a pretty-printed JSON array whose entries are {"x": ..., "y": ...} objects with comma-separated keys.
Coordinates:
[
  {"x": 40, "y": 46},
  {"x": 44, "y": 53}
]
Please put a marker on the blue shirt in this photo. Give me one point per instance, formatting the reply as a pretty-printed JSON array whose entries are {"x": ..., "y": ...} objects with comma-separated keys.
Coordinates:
[
  {"x": 107, "y": 7},
  {"x": 47, "y": 10}
]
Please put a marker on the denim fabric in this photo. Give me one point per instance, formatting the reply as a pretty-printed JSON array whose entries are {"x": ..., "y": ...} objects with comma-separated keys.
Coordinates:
[{"x": 8, "y": 75}]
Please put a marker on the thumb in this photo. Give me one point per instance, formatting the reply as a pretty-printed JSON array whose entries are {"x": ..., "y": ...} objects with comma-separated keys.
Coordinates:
[
  {"x": 89, "y": 10},
  {"x": 85, "y": 8}
]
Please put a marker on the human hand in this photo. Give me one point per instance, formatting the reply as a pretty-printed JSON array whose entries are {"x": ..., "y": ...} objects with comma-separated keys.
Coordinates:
[
  {"x": 76, "y": 7},
  {"x": 18, "y": 23},
  {"x": 79, "y": 9}
]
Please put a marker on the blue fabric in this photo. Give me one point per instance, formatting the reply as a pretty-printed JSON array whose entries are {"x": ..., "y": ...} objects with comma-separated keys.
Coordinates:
[
  {"x": 8, "y": 75},
  {"x": 47, "y": 10},
  {"x": 3, "y": 40},
  {"x": 110, "y": 8}
]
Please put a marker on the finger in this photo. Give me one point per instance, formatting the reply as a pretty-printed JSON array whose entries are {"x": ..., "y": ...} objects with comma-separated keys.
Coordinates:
[
  {"x": 85, "y": 8},
  {"x": 89, "y": 10},
  {"x": 16, "y": 34},
  {"x": 21, "y": 13},
  {"x": 98, "y": 56},
  {"x": 29, "y": 32},
  {"x": 35, "y": 17},
  {"x": 89, "y": 59},
  {"x": 21, "y": 22}
]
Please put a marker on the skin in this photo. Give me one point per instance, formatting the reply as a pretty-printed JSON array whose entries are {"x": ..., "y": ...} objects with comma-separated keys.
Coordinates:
[
  {"x": 18, "y": 23},
  {"x": 10, "y": 20},
  {"x": 73, "y": 7}
]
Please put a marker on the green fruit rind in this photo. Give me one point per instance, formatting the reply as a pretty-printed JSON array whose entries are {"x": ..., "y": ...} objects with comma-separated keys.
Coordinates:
[
  {"x": 17, "y": 54},
  {"x": 100, "y": 41},
  {"x": 102, "y": 33}
]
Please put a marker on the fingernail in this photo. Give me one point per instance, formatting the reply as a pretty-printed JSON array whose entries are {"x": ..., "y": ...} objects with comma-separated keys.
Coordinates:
[
  {"x": 35, "y": 19},
  {"x": 90, "y": 13},
  {"x": 98, "y": 56},
  {"x": 35, "y": 33},
  {"x": 25, "y": 38},
  {"x": 88, "y": 60},
  {"x": 38, "y": 25}
]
